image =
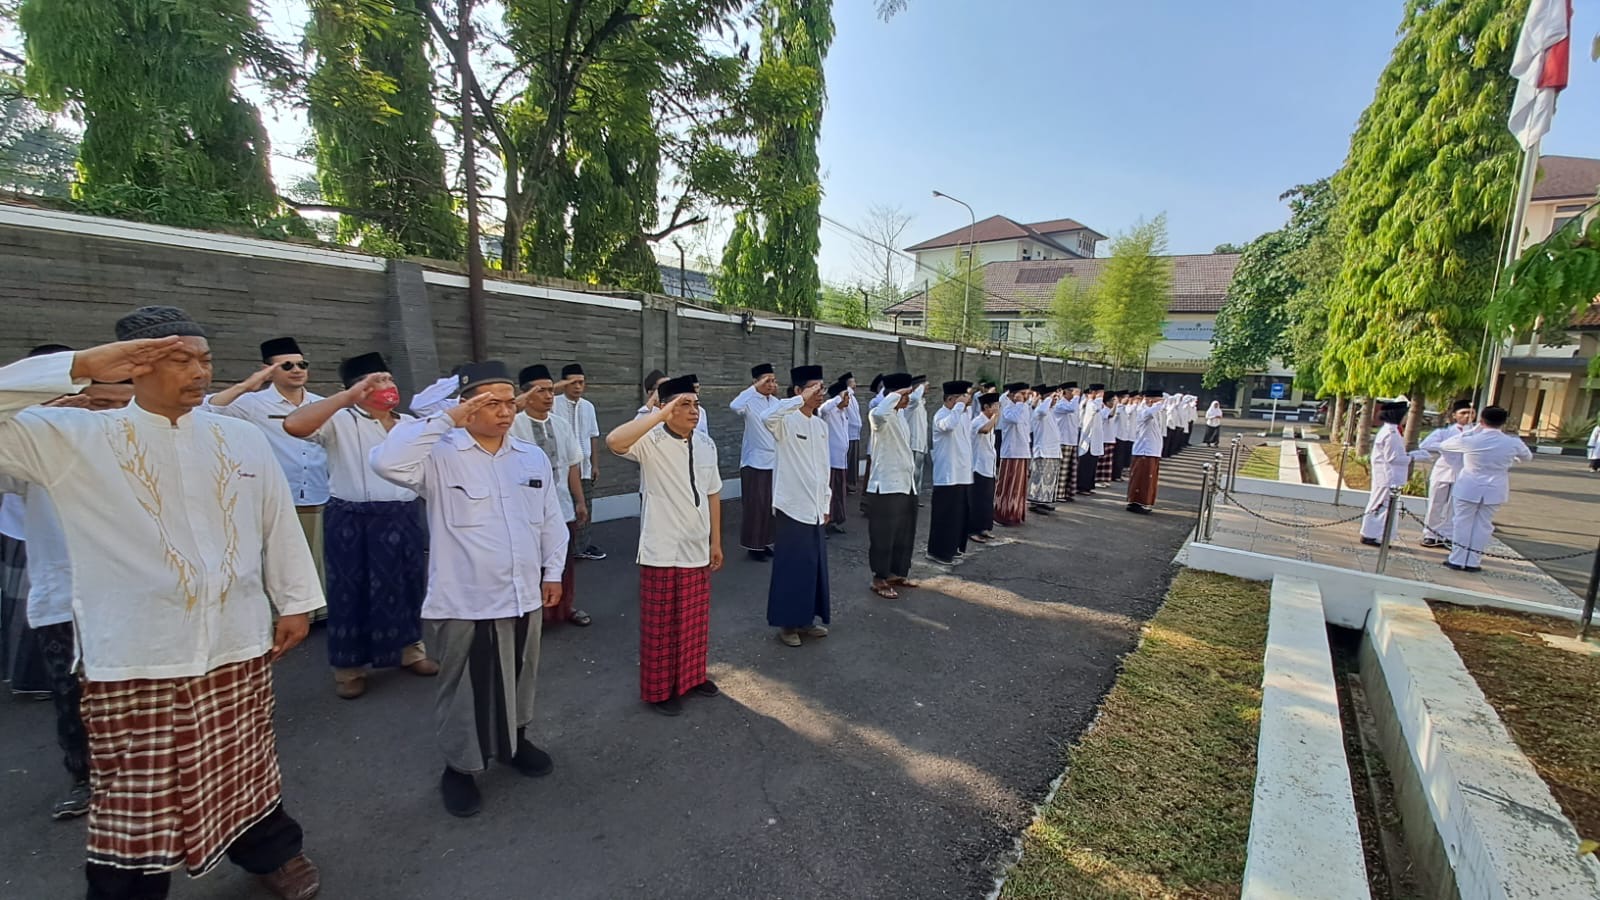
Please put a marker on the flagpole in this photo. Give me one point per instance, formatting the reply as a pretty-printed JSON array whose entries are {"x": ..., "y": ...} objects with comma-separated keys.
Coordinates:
[{"x": 1519, "y": 213}]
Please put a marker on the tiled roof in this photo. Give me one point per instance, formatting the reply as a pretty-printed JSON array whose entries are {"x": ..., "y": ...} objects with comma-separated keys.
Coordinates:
[
  {"x": 1001, "y": 228},
  {"x": 1567, "y": 177},
  {"x": 1199, "y": 283},
  {"x": 1589, "y": 318}
]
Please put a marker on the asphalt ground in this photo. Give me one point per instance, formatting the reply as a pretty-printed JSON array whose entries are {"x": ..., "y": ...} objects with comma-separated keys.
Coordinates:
[
  {"x": 1552, "y": 512},
  {"x": 897, "y": 758}
]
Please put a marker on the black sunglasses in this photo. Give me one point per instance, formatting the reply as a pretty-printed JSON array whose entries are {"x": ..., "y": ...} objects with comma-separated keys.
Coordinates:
[{"x": 302, "y": 365}]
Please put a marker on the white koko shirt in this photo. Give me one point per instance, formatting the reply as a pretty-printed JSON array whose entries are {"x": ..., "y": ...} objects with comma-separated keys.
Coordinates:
[
  {"x": 304, "y": 463},
  {"x": 758, "y": 450},
  {"x": 568, "y": 454},
  {"x": 349, "y": 437},
  {"x": 1149, "y": 429},
  {"x": 1016, "y": 431},
  {"x": 837, "y": 416},
  {"x": 580, "y": 417},
  {"x": 495, "y": 529},
  {"x": 800, "y": 480},
  {"x": 1487, "y": 455},
  {"x": 187, "y": 530},
  {"x": 952, "y": 446},
  {"x": 983, "y": 450},
  {"x": 893, "y": 466},
  {"x": 677, "y": 478}
]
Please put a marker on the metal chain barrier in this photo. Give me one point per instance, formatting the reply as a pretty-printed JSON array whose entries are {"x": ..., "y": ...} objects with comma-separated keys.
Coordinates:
[
  {"x": 1428, "y": 529},
  {"x": 1228, "y": 495}
]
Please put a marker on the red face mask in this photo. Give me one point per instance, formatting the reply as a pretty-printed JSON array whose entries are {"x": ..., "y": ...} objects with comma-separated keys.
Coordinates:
[{"x": 384, "y": 398}]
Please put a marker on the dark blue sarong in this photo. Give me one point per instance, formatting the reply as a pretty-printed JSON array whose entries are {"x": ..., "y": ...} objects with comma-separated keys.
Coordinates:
[
  {"x": 376, "y": 556},
  {"x": 799, "y": 592}
]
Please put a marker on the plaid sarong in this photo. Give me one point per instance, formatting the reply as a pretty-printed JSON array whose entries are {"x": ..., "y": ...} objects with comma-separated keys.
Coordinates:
[
  {"x": 1011, "y": 492},
  {"x": 674, "y": 630},
  {"x": 180, "y": 767},
  {"x": 1102, "y": 470},
  {"x": 1068, "y": 475}
]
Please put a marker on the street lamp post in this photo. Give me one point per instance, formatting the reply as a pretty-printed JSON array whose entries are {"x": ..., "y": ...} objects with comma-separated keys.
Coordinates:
[{"x": 966, "y": 297}]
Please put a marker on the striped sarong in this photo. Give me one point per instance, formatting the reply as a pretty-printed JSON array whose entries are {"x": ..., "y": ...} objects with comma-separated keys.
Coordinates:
[
  {"x": 1011, "y": 492},
  {"x": 1068, "y": 473},
  {"x": 180, "y": 767}
]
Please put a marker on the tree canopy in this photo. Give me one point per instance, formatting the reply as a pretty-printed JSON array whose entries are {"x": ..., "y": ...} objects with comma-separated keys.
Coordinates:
[
  {"x": 956, "y": 305},
  {"x": 1132, "y": 292}
]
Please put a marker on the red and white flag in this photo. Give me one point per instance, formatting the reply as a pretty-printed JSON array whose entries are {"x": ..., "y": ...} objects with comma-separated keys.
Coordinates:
[{"x": 1540, "y": 67}]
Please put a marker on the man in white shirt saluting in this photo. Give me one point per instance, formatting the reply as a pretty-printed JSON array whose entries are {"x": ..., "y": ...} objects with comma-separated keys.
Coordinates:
[
  {"x": 799, "y": 592},
  {"x": 836, "y": 411},
  {"x": 497, "y": 548},
  {"x": 680, "y": 543},
  {"x": 757, "y": 456},
  {"x": 891, "y": 490},
  {"x": 375, "y": 532},
  {"x": 1436, "y": 527},
  {"x": 952, "y": 474},
  {"x": 194, "y": 539},
  {"x": 537, "y": 425},
  {"x": 579, "y": 414},
  {"x": 1487, "y": 455}
]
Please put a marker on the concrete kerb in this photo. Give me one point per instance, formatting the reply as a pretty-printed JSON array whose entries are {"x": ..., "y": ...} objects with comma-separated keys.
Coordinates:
[
  {"x": 1305, "y": 839},
  {"x": 1322, "y": 468},
  {"x": 1317, "y": 493},
  {"x": 1483, "y": 820},
  {"x": 1289, "y": 463}
]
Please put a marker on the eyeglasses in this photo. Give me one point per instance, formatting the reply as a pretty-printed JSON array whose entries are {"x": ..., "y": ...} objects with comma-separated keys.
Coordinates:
[{"x": 302, "y": 365}]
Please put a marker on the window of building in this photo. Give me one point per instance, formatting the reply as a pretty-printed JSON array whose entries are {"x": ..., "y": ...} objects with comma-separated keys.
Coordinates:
[
  {"x": 910, "y": 322},
  {"x": 1566, "y": 213},
  {"x": 999, "y": 331},
  {"x": 1026, "y": 253}
]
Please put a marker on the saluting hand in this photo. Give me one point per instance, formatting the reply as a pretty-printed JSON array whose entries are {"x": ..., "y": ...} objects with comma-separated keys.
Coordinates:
[
  {"x": 258, "y": 379},
  {"x": 123, "y": 359},
  {"x": 466, "y": 408},
  {"x": 362, "y": 389}
]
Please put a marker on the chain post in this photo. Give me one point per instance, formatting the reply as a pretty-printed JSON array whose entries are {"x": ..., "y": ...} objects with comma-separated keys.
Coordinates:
[
  {"x": 1389, "y": 517},
  {"x": 1589, "y": 596},
  {"x": 1338, "y": 488},
  {"x": 1233, "y": 464},
  {"x": 1200, "y": 512}
]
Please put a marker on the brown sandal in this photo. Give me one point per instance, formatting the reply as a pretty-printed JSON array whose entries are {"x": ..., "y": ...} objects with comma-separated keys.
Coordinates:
[{"x": 886, "y": 591}]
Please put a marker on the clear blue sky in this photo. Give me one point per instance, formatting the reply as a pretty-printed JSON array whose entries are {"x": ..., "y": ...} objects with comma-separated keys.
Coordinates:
[{"x": 1108, "y": 112}]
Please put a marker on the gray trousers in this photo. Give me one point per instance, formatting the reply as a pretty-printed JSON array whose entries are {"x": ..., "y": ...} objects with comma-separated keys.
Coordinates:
[{"x": 488, "y": 675}]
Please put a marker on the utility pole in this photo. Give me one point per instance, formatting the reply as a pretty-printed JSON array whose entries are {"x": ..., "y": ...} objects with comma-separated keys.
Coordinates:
[
  {"x": 683, "y": 275},
  {"x": 866, "y": 305},
  {"x": 477, "y": 314}
]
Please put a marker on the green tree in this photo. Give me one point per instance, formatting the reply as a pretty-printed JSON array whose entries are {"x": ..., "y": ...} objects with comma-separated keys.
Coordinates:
[
  {"x": 843, "y": 304},
  {"x": 742, "y": 277},
  {"x": 1551, "y": 281},
  {"x": 371, "y": 107},
  {"x": 166, "y": 135},
  {"x": 955, "y": 313},
  {"x": 1257, "y": 321},
  {"x": 1422, "y": 197},
  {"x": 1132, "y": 292},
  {"x": 36, "y": 156},
  {"x": 789, "y": 87},
  {"x": 1229, "y": 247},
  {"x": 1072, "y": 314}
]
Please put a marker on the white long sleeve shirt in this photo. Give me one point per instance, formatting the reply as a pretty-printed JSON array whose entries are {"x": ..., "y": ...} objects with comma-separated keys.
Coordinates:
[
  {"x": 495, "y": 527},
  {"x": 837, "y": 416},
  {"x": 893, "y": 466},
  {"x": 580, "y": 416},
  {"x": 1016, "y": 431},
  {"x": 758, "y": 450},
  {"x": 188, "y": 529},
  {"x": 677, "y": 478},
  {"x": 1066, "y": 413},
  {"x": 801, "y": 488},
  {"x": 1448, "y": 464},
  {"x": 917, "y": 420},
  {"x": 952, "y": 446},
  {"x": 49, "y": 563},
  {"x": 304, "y": 463},
  {"x": 1149, "y": 430},
  {"x": 1046, "y": 432},
  {"x": 1594, "y": 443},
  {"x": 1487, "y": 455},
  {"x": 1391, "y": 462},
  {"x": 854, "y": 414},
  {"x": 1094, "y": 429},
  {"x": 349, "y": 438},
  {"x": 983, "y": 449}
]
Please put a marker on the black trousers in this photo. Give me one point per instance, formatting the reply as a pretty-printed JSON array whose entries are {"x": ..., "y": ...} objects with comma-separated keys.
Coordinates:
[
  {"x": 1118, "y": 460},
  {"x": 56, "y": 649},
  {"x": 980, "y": 504},
  {"x": 891, "y": 534},
  {"x": 947, "y": 530},
  {"x": 1086, "y": 466},
  {"x": 262, "y": 849}
]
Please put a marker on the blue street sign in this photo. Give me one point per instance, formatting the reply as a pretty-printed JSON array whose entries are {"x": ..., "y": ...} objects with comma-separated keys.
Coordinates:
[{"x": 1279, "y": 390}]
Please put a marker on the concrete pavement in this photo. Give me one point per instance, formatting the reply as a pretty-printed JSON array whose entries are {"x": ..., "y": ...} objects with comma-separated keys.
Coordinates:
[
  {"x": 1552, "y": 513},
  {"x": 896, "y": 758}
]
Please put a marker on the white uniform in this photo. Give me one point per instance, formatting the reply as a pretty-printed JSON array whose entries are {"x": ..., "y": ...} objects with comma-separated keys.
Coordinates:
[
  {"x": 1390, "y": 463},
  {"x": 1483, "y": 483},
  {"x": 1594, "y": 449},
  {"x": 1440, "y": 481}
]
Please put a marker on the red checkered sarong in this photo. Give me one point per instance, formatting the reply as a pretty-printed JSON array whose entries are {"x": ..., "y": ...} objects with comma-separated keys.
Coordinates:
[
  {"x": 1011, "y": 492},
  {"x": 180, "y": 767},
  {"x": 674, "y": 630},
  {"x": 562, "y": 612}
]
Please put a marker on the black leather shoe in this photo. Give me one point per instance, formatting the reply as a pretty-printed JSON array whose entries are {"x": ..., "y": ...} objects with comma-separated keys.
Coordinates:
[
  {"x": 671, "y": 706},
  {"x": 1372, "y": 542},
  {"x": 531, "y": 761},
  {"x": 460, "y": 793},
  {"x": 707, "y": 688}
]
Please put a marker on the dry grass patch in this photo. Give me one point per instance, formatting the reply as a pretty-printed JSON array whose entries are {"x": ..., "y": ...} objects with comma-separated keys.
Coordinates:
[
  {"x": 1157, "y": 798},
  {"x": 1546, "y": 697}
]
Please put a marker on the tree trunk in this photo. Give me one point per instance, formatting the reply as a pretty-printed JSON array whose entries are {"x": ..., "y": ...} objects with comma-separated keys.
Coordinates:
[
  {"x": 1419, "y": 402},
  {"x": 1336, "y": 420},
  {"x": 511, "y": 234},
  {"x": 1363, "y": 427}
]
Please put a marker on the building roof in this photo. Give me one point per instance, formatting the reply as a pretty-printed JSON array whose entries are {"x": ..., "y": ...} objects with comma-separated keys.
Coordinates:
[
  {"x": 1567, "y": 178},
  {"x": 1199, "y": 283},
  {"x": 1001, "y": 228},
  {"x": 1588, "y": 318}
]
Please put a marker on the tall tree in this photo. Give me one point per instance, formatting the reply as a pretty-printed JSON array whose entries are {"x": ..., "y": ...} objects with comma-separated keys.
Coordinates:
[
  {"x": 879, "y": 264},
  {"x": 955, "y": 305},
  {"x": 166, "y": 133},
  {"x": 1132, "y": 293},
  {"x": 1422, "y": 194},
  {"x": 1551, "y": 281},
  {"x": 1072, "y": 315},
  {"x": 372, "y": 110},
  {"x": 789, "y": 87},
  {"x": 742, "y": 278}
]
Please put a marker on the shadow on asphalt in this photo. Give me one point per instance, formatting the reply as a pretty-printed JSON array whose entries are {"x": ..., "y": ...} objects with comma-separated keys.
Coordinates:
[{"x": 896, "y": 758}]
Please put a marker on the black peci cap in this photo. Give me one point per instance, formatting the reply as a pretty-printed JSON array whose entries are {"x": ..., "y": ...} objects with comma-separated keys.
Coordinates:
[
  {"x": 897, "y": 381},
  {"x": 356, "y": 368},
  {"x": 481, "y": 373},
  {"x": 672, "y": 387},
  {"x": 535, "y": 372},
  {"x": 803, "y": 375},
  {"x": 283, "y": 346}
]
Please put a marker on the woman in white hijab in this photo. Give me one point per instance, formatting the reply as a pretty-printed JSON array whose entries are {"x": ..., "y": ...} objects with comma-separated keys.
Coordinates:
[{"x": 1214, "y": 423}]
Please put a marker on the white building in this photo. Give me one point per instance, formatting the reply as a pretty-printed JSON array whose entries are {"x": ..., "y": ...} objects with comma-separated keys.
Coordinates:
[{"x": 1000, "y": 239}]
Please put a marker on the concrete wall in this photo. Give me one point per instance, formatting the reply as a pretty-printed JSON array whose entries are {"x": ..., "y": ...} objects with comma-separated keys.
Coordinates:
[{"x": 67, "y": 278}]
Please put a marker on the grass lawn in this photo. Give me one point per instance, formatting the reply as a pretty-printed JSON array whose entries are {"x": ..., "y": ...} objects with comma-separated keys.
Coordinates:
[
  {"x": 1156, "y": 802},
  {"x": 1261, "y": 463},
  {"x": 1546, "y": 697}
]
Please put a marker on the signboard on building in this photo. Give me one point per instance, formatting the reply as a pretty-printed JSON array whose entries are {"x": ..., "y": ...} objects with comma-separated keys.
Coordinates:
[{"x": 1189, "y": 330}]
